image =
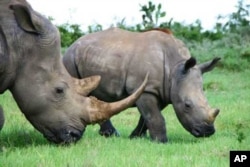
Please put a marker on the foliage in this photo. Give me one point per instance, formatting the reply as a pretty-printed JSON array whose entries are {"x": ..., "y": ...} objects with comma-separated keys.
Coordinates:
[
  {"x": 232, "y": 48},
  {"x": 229, "y": 40},
  {"x": 238, "y": 19},
  {"x": 69, "y": 33},
  {"x": 122, "y": 24},
  {"x": 152, "y": 14},
  {"x": 94, "y": 28}
]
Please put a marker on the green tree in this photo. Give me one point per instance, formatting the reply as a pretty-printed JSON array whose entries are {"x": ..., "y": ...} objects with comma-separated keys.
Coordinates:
[
  {"x": 152, "y": 14},
  {"x": 69, "y": 33},
  {"x": 236, "y": 20}
]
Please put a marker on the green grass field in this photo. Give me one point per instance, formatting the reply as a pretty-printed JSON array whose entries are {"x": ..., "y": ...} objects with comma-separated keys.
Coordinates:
[{"x": 21, "y": 145}]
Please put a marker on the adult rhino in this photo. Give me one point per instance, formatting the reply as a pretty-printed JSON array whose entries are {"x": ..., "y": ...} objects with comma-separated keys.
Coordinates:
[
  {"x": 31, "y": 68},
  {"x": 122, "y": 59}
]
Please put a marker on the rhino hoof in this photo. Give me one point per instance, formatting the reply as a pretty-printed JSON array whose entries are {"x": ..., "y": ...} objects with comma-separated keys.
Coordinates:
[
  {"x": 136, "y": 134},
  {"x": 109, "y": 132}
]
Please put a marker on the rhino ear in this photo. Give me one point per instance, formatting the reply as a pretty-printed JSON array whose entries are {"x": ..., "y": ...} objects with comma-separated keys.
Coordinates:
[
  {"x": 26, "y": 18},
  {"x": 189, "y": 64},
  {"x": 208, "y": 66}
]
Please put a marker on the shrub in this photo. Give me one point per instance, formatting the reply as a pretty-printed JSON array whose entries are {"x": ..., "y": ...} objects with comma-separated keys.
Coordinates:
[{"x": 69, "y": 33}]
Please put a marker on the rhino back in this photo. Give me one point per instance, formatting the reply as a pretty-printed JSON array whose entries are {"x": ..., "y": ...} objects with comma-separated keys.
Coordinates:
[{"x": 123, "y": 58}]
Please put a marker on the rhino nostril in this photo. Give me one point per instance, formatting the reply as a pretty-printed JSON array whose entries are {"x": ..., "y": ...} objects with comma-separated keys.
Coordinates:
[
  {"x": 74, "y": 134},
  {"x": 77, "y": 135},
  {"x": 196, "y": 132},
  {"x": 70, "y": 135}
]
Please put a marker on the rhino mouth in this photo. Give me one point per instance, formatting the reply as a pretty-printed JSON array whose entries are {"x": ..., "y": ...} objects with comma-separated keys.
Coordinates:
[
  {"x": 203, "y": 130},
  {"x": 65, "y": 136}
]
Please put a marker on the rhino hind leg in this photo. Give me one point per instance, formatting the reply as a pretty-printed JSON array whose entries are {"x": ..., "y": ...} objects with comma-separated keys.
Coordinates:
[
  {"x": 140, "y": 130},
  {"x": 107, "y": 129},
  {"x": 154, "y": 121},
  {"x": 1, "y": 118}
]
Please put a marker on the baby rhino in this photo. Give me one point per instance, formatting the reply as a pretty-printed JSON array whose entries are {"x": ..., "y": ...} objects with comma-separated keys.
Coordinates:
[{"x": 123, "y": 58}]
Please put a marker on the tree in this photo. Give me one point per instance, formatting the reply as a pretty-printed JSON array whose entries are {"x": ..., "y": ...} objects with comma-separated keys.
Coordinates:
[
  {"x": 69, "y": 33},
  {"x": 152, "y": 14},
  {"x": 238, "y": 19}
]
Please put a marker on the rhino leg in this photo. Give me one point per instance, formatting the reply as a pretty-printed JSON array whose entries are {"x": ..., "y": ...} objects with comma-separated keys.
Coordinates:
[
  {"x": 155, "y": 122},
  {"x": 1, "y": 118},
  {"x": 140, "y": 130},
  {"x": 107, "y": 129}
]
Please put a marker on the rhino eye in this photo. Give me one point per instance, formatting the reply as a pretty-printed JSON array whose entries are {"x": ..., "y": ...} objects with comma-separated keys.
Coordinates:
[
  {"x": 188, "y": 105},
  {"x": 59, "y": 93},
  {"x": 59, "y": 90}
]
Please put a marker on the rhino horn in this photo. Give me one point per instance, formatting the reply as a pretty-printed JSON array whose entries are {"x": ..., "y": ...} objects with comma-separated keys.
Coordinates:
[
  {"x": 213, "y": 114},
  {"x": 99, "y": 111},
  {"x": 86, "y": 85}
]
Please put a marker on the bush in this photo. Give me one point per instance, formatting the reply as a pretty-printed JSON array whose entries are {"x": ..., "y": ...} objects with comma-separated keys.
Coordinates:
[{"x": 69, "y": 33}]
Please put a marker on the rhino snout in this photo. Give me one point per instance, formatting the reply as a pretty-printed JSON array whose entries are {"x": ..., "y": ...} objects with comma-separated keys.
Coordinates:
[
  {"x": 65, "y": 136},
  {"x": 203, "y": 130}
]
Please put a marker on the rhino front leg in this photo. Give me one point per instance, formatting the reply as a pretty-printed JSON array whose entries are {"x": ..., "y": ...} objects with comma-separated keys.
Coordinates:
[
  {"x": 155, "y": 122},
  {"x": 107, "y": 129},
  {"x": 140, "y": 130},
  {"x": 1, "y": 118}
]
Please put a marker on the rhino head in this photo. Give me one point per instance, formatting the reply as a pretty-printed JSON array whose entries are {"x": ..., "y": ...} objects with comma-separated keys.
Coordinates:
[
  {"x": 49, "y": 97},
  {"x": 188, "y": 99}
]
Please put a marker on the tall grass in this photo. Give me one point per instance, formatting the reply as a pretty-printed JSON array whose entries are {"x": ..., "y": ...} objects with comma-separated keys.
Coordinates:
[{"x": 21, "y": 145}]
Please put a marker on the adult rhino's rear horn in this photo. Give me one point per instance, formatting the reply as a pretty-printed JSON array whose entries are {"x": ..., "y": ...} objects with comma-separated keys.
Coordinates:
[
  {"x": 86, "y": 85},
  {"x": 99, "y": 111}
]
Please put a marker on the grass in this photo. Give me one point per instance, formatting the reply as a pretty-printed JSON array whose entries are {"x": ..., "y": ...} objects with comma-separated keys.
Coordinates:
[{"x": 21, "y": 145}]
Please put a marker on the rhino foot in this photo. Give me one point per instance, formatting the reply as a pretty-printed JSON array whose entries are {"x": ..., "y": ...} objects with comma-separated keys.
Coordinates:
[
  {"x": 140, "y": 130},
  {"x": 161, "y": 139},
  {"x": 136, "y": 134},
  {"x": 108, "y": 130},
  {"x": 109, "y": 133}
]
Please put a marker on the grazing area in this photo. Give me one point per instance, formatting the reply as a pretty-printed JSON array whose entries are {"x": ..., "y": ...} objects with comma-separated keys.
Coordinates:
[{"x": 22, "y": 145}]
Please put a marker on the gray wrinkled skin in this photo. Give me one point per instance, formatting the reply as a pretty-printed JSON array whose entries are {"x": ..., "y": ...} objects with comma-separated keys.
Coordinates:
[
  {"x": 122, "y": 58},
  {"x": 31, "y": 68}
]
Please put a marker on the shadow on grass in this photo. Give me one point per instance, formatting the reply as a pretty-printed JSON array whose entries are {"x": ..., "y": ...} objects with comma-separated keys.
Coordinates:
[
  {"x": 178, "y": 138},
  {"x": 21, "y": 139}
]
